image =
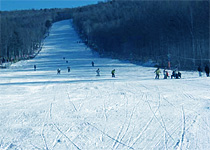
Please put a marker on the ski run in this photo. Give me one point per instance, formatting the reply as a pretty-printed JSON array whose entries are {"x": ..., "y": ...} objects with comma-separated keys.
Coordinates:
[{"x": 77, "y": 110}]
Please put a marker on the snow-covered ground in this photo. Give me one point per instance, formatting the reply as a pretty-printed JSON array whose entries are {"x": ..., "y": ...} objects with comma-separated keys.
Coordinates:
[{"x": 79, "y": 110}]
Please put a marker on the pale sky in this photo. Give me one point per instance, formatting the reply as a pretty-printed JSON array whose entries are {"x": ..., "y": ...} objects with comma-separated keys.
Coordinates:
[{"x": 41, "y": 4}]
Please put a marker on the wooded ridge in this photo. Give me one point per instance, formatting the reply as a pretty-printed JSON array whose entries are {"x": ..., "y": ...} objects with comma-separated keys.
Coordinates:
[
  {"x": 175, "y": 32},
  {"x": 167, "y": 33},
  {"x": 22, "y": 32}
]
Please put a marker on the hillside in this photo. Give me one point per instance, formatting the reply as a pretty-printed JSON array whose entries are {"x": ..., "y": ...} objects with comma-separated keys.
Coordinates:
[
  {"x": 22, "y": 32},
  {"x": 141, "y": 31},
  {"x": 79, "y": 110}
]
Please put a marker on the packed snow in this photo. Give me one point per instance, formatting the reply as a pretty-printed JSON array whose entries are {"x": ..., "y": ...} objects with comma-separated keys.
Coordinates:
[{"x": 79, "y": 110}]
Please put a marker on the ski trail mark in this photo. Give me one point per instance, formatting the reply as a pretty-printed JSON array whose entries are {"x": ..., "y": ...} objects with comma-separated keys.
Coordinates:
[
  {"x": 165, "y": 141},
  {"x": 42, "y": 132},
  {"x": 183, "y": 128},
  {"x": 60, "y": 129},
  {"x": 110, "y": 136},
  {"x": 71, "y": 101},
  {"x": 181, "y": 140},
  {"x": 58, "y": 137},
  {"x": 35, "y": 146},
  {"x": 120, "y": 131},
  {"x": 122, "y": 127},
  {"x": 130, "y": 118},
  {"x": 163, "y": 126},
  {"x": 145, "y": 127}
]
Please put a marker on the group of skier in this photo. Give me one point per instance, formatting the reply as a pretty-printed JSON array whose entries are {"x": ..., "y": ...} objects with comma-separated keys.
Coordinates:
[
  {"x": 175, "y": 74},
  {"x": 112, "y": 72},
  {"x": 59, "y": 70},
  {"x": 98, "y": 72},
  {"x": 69, "y": 69}
]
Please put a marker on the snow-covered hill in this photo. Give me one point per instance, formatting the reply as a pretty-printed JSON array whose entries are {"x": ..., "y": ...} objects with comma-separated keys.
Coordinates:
[{"x": 79, "y": 110}]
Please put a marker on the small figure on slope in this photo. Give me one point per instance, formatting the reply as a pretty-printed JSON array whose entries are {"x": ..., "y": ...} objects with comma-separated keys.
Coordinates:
[
  {"x": 166, "y": 75},
  {"x": 58, "y": 71},
  {"x": 92, "y": 64},
  {"x": 113, "y": 73},
  {"x": 207, "y": 70},
  {"x": 34, "y": 67},
  {"x": 157, "y": 71},
  {"x": 199, "y": 71},
  {"x": 69, "y": 69},
  {"x": 98, "y": 72}
]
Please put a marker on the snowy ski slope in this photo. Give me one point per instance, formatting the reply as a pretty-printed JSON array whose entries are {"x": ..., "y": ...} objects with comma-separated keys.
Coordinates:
[{"x": 78, "y": 110}]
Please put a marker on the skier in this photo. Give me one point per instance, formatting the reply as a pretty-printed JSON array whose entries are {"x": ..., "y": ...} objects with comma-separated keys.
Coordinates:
[
  {"x": 34, "y": 67},
  {"x": 179, "y": 75},
  {"x": 157, "y": 71},
  {"x": 113, "y": 73},
  {"x": 3, "y": 60},
  {"x": 98, "y": 72},
  {"x": 69, "y": 69},
  {"x": 173, "y": 74},
  {"x": 199, "y": 71},
  {"x": 92, "y": 64},
  {"x": 58, "y": 71},
  {"x": 207, "y": 70},
  {"x": 165, "y": 74}
]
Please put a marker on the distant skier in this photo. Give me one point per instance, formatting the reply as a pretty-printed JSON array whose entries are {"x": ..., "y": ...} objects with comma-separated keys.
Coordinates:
[
  {"x": 92, "y": 64},
  {"x": 207, "y": 70},
  {"x": 157, "y": 71},
  {"x": 98, "y": 72},
  {"x": 173, "y": 74},
  {"x": 69, "y": 69},
  {"x": 113, "y": 73},
  {"x": 179, "y": 75},
  {"x": 199, "y": 71},
  {"x": 34, "y": 67},
  {"x": 3, "y": 60},
  {"x": 58, "y": 71},
  {"x": 166, "y": 75}
]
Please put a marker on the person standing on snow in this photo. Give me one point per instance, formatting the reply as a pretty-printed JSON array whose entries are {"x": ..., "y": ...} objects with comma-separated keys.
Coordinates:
[
  {"x": 58, "y": 71},
  {"x": 165, "y": 74},
  {"x": 34, "y": 67},
  {"x": 98, "y": 72},
  {"x": 207, "y": 70},
  {"x": 92, "y": 64},
  {"x": 199, "y": 70},
  {"x": 113, "y": 73},
  {"x": 69, "y": 69},
  {"x": 157, "y": 71}
]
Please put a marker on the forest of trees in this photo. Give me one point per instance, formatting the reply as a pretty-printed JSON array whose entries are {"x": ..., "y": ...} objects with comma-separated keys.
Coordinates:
[
  {"x": 22, "y": 32},
  {"x": 141, "y": 31}
]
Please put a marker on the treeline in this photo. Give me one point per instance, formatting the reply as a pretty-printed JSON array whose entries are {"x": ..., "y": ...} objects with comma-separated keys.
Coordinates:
[
  {"x": 22, "y": 32},
  {"x": 161, "y": 31}
]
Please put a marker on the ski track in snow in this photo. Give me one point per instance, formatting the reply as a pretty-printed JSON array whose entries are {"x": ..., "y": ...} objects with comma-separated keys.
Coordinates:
[{"x": 78, "y": 110}]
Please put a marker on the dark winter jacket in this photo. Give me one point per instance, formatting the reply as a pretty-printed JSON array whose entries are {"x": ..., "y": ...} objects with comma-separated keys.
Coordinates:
[
  {"x": 199, "y": 69},
  {"x": 207, "y": 69}
]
